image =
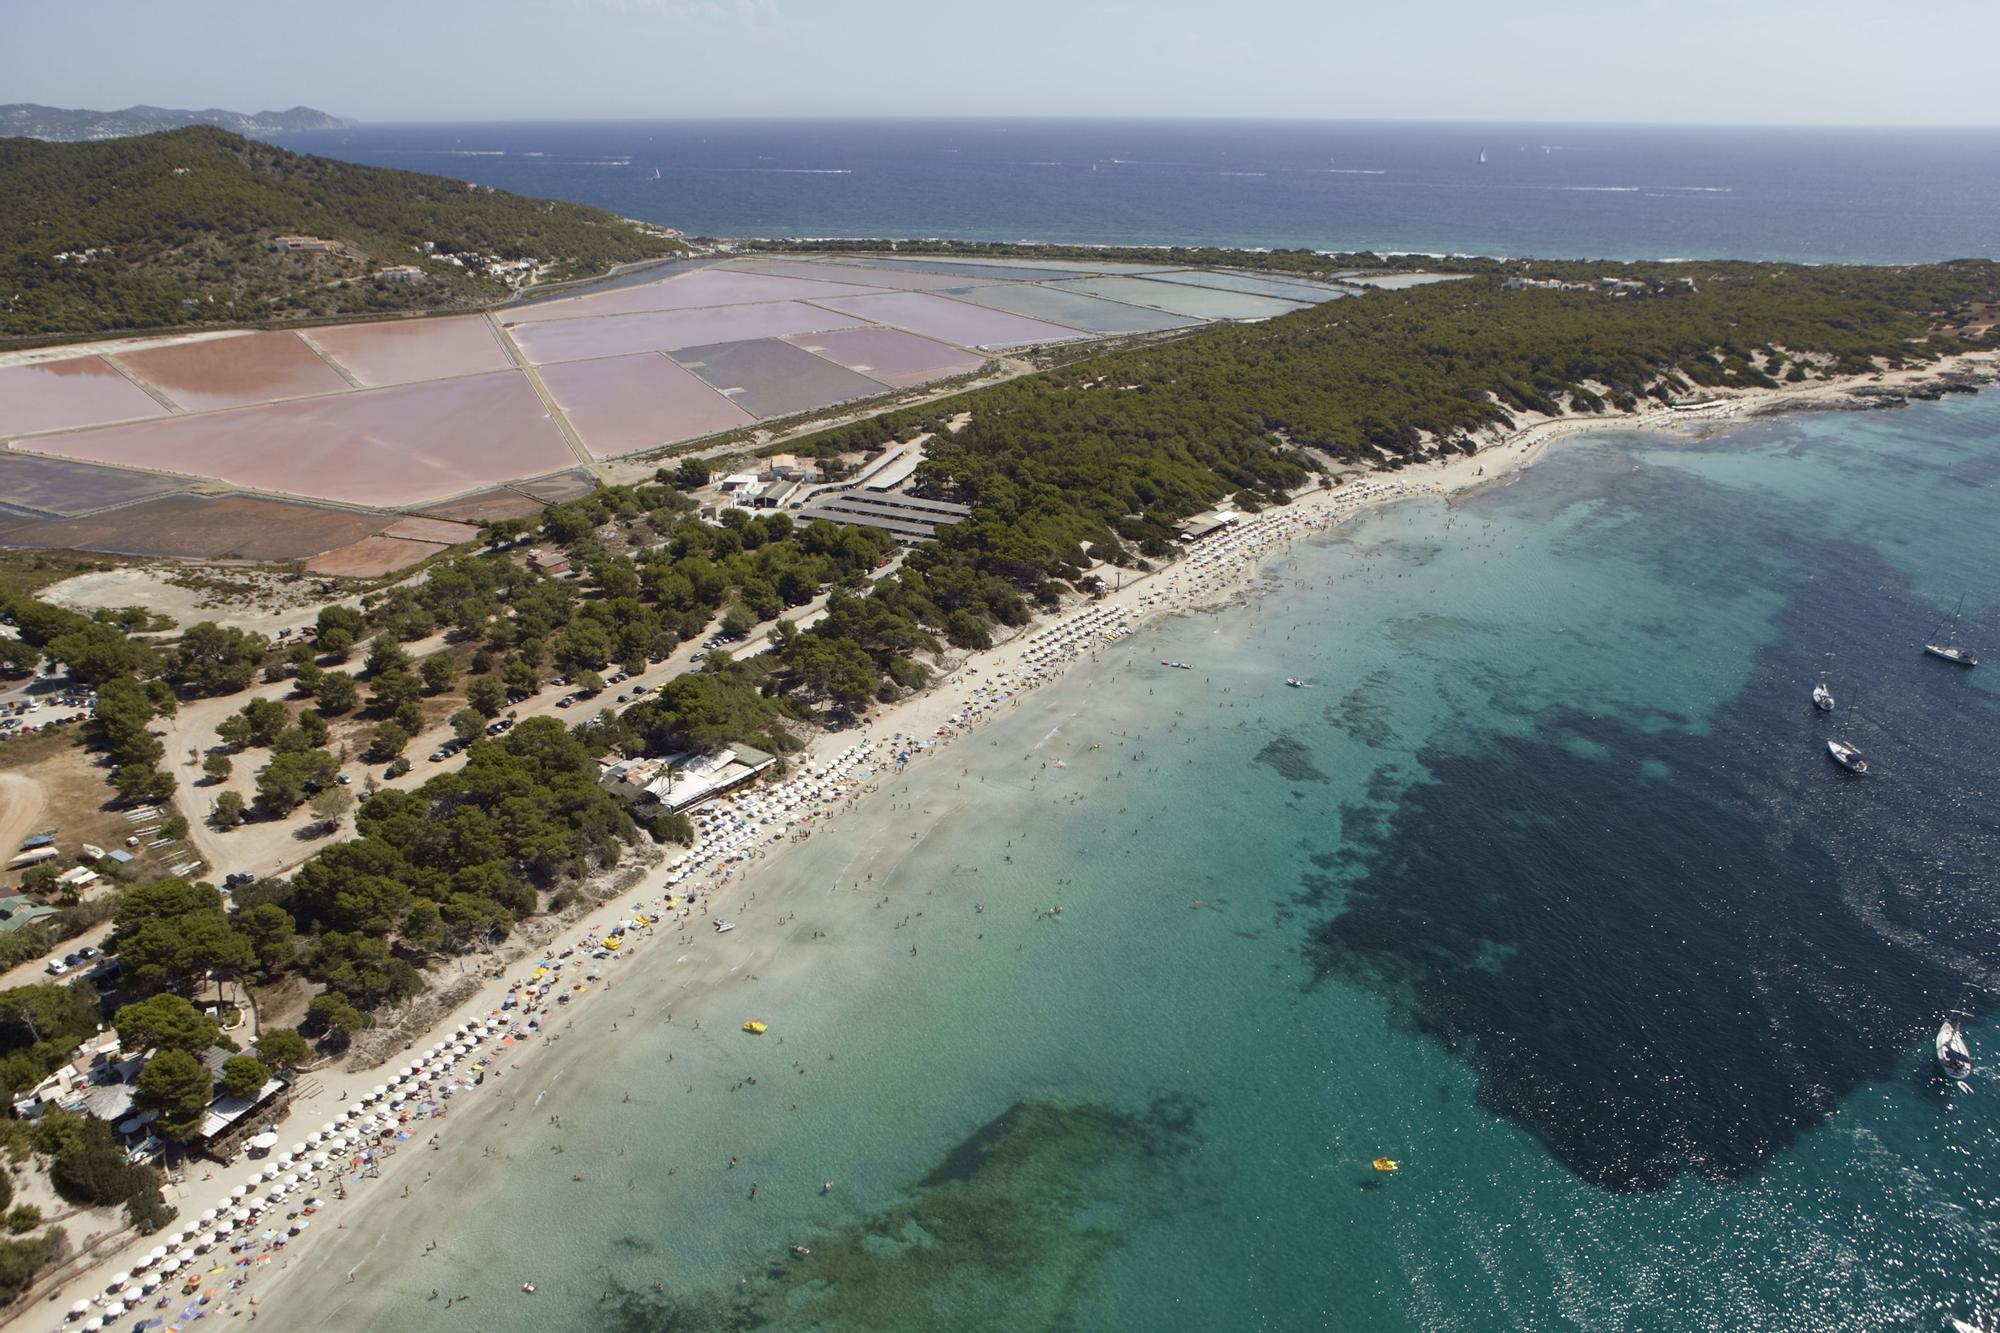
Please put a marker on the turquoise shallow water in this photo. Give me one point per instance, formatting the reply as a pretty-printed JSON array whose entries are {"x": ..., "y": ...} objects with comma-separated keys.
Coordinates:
[{"x": 1546, "y": 888}]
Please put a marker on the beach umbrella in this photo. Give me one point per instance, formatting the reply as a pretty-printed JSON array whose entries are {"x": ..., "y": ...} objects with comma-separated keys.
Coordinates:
[
  {"x": 353, "y": 1110},
  {"x": 238, "y": 1192},
  {"x": 79, "y": 1310},
  {"x": 171, "y": 1266},
  {"x": 151, "y": 1283},
  {"x": 132, "y": 1295},
  {"x": 221, "y": 1235},
  {"x": 185, "y": 1256},
  {"x": 298, "y": 1150},
  {"x": 271, "y": 1171},
  {"x": 115, "y": 1310},
  {"x": 157, "y": 1253},
  {"x": 117, "y": 1280},
  {"x": 328, "y": 1128},
  {"x": 93, "y": 1323}
]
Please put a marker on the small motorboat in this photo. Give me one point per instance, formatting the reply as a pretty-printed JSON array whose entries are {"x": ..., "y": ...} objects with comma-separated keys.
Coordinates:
[
  {"x": 800, "y": 1251},
  {"x": 1954, "y": 1057},
  {"x": 1847, "y": 756},
  {"x": 1822, "y": 698},
  {"x": 724, "y": 927},
  {"x": 756, "y": 1027},
  {"x": 1178, "y": 666},
  {"x": 1296, "y": 683}
]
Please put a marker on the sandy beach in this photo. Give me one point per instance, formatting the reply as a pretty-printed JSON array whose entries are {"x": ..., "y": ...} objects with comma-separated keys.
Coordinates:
[{"x": 442, "y": 1091}]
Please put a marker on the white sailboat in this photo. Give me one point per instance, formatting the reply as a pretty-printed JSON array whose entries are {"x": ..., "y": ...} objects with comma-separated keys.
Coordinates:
[
  {"x": 1823, "y": 697},
  {"x": 1954, "y": 1057},
  {"x": 1847, "y": 756},
  {"x": 1482, "y": 157},
  {"x": 1951, "y": 650}
]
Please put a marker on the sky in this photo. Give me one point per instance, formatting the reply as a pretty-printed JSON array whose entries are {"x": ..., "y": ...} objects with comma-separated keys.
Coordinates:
[{"x": 1689, "y": 61}]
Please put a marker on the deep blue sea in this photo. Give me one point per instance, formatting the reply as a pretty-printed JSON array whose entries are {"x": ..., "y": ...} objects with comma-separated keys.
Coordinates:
[
  {"x": 1615, "y": 192},
  {"x": 1546, "y": 888}
]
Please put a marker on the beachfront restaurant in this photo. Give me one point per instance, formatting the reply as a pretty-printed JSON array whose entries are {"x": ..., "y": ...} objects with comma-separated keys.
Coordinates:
[{"x": 652, "y": 787}]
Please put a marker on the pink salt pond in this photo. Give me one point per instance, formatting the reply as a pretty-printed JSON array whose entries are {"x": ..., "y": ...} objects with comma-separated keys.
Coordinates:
[
  {"x": 389, "y": 447},
  {"x": 623, "y": 403},
  {"x": 689, "y": 291},
  {"x": 407, "y": 350},
  {"x": 889, "y": 355},
  {"x": 233, "y": 371},
  {"x": 76, "y": 391}
]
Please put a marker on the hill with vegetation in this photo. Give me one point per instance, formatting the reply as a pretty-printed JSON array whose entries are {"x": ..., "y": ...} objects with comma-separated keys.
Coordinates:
[
  {"x": 72, "y": 125},
  {"x": 180, "y": 228}
]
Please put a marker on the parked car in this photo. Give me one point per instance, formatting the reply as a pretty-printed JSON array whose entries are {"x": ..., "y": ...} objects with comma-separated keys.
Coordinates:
[
  {"x": 56, "y": 967},
  {"x": 89, "y": 951}
]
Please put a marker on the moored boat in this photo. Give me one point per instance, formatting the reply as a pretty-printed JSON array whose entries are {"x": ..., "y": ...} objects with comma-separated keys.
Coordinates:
[
  {"x": 1822, "y": 698},
  {"x": 724, "y": 927},
  {"x": 1951, "y": 650},
  {"x": 1847, "y": 756}
]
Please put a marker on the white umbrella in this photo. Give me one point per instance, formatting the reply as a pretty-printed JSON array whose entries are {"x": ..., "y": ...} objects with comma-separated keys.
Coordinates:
[
  {"x": 151, "y": 1283},
  {"x": 80, "y": 1309},
  {"x": 171, "y": 1266},
  {"x": 354, "y": 1110},
  {"x": 238, "y": 1192},
  {"x": 92, "y": 1323},
  {"x": 298, "y": 1150},
  {"x": 381, "y": 1090},
  {"x": 220, "y": 1236},
  {"x": 271, "y": 1172},
  {"x": 185, "y": 1256},
  {"x": 132, "y": 1295},
  {"x": 319, "y": 1159},
  {"x": 115, "y": 1310},
  {"x": 117, "y": 1280},
  {"x": 328, "y": 1128},
  {"x": 157, "y": 1253}
]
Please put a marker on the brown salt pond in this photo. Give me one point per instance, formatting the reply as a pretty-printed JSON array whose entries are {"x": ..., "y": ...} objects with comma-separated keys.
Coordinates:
[
  {"x": 76, "y": 391},
  {"x": 372, "y": 557},
  {"x": 407, "y": 350},
  {"x": 192, "y": 527},
  {"x": 624, "y": 403},
  {"x": 390, "y": 447},
  {"x": 889, "y": 355},
  {"x": 231, "y": 372}
]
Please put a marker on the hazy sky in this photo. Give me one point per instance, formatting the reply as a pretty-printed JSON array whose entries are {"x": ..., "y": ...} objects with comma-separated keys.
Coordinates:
[{"x": 1829, "y": 61}]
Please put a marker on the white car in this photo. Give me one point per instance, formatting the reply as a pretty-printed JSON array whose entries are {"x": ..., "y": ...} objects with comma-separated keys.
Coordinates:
[{"x": 57, "y": 967}]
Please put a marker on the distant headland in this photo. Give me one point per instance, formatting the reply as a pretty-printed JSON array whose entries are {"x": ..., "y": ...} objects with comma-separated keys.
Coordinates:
[{"x": 61, "y": 125}]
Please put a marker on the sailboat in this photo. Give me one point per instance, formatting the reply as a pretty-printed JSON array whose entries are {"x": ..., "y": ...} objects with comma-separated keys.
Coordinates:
[
  {"x": 1954, "y": 1057},
  {"x": 1847, "y": 756},
  {"x": 656, "y": 173},
  {"x": 1951, "y": 650},
  {"x": 1823, "y": 697},
  {"x": 1482, "y": 157}
]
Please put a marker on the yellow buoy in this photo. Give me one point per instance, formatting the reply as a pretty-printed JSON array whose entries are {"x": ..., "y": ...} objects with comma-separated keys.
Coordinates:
[{"x": 1386, "y": 1164}]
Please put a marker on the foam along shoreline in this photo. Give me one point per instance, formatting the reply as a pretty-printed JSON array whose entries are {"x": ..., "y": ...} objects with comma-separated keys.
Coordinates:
[{"x": 503, "y": 1022}]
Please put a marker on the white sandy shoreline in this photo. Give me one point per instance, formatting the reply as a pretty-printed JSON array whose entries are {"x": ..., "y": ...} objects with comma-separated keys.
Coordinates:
[{"x": 953, "y": 705}]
